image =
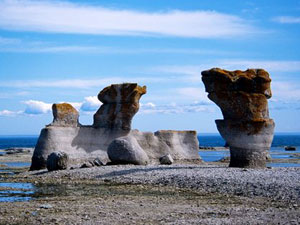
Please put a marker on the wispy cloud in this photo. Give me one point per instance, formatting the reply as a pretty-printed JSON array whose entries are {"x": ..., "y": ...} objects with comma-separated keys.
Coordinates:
[
  {"x": 287, "y": 19},
  {"x": 286, "y": 91},
  {"x": 82, "y": 83},
  {"x": 66, "y": 17},
  {"x": 269, "y": 65},
  {"x": 10, "y": 113},
  {"x": 195, "y": 93},
  {"x": 70, "y": 83},
  {"x": 28, "y": 47},
  {"x": 8, "y": 41},
  {"x": 173, "y": 108}
]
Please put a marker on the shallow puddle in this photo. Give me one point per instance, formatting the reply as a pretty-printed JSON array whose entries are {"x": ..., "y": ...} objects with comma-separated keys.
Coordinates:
[
  {"x": 13, "y": 192},
  {"x": 283, "y": 164},
  {"x": 16, "y": 164}
]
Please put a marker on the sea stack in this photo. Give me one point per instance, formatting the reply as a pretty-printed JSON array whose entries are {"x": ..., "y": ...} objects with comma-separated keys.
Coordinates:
[
  {"x": 110, "y": 138},
  {"x": 120, "y": 104},
  {"x": 246, "y": 127}
]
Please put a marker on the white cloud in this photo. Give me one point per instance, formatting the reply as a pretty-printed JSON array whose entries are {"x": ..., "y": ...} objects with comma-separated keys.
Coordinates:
[
  {"x": 194, "y": 93},
  {"x": 90, "y": 104},
  {"x": 80, "y": 83},
  {"x": 71, "y": 83},
  {"x": 28, "y": 47},
  {"x": 9, "y": 113},
  {"x": 173, "y": 108},
  {"x": 287, "y": 19},
  {"x": 269, "y": 65},
  {"x": 66, "y": 17},
  {"x": 37, "y": 107},
  {"x": 285, "y": 91}
]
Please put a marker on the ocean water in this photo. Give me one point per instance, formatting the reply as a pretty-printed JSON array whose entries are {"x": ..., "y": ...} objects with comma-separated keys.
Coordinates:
[
  {"x": 277, "y": 150},
  {"x": 18, "y": 141},
  {"x": 280, "y": 140}
]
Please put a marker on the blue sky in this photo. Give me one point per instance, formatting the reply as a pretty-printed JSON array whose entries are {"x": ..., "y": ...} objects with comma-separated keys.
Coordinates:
[{"x": 67, "y": 51}]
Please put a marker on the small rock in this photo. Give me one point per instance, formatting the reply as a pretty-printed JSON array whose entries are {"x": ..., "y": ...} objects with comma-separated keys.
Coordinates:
[
  {"x": 57, "y": 161},
  {"x": 98, "y": 162},
  {"x": 87, "y": 165},
  {"x": 46, "y": 206},
  {"x": 166, "y": 159},
  {"x": 290, "y": 148}
]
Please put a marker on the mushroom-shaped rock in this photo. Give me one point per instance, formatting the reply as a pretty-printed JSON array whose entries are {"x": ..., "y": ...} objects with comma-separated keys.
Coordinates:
[
  {"x": 120, "y": 104},
  {"x": 126, "y": 150},
  {"x": 64, "y": 115},
  {"x": 242, "y": 97},
  {"x": 57, "y": 161}
]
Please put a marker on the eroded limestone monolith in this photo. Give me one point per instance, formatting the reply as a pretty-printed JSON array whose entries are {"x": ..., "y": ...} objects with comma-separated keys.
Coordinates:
[
  {"x": 110, "y": 138},
  {"x": 246, "y": 127},
  {"x": 120, "y": 104},
  {"x": 65, "y": 115}
]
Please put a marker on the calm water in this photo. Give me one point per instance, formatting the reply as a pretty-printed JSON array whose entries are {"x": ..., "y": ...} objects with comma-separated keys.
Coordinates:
[
  {"x": 279, "y": 140},
  {"x": 17, "y": 141}
]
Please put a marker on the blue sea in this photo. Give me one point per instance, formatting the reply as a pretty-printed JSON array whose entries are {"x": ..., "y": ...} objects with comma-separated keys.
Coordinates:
[{"x": 215, "y": 140}]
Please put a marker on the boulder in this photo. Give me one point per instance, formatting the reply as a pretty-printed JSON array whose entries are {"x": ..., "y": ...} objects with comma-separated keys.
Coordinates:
[
  {"x": 57, "y": 161},
  {"x": 246, "y": 127},
  {"x": 120, "y": 104},
  {"x": 126, "y": 150},
  {"x": 166, "y": 159},
  {"x": 64, "y": 115}
]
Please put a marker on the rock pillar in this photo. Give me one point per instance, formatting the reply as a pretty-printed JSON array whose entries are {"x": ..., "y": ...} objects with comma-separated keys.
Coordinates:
[
  {"x": 246, "y": 127},
  {"x": 120, "y": 104}
]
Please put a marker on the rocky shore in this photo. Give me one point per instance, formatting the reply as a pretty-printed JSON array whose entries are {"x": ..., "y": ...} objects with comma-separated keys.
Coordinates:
[{"x": 209, "y": 193}]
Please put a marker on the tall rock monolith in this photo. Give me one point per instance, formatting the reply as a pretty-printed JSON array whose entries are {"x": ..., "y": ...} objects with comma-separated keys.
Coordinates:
[
  {"x": 246, "y": 127},
  {"x": 120, "y": 104}
]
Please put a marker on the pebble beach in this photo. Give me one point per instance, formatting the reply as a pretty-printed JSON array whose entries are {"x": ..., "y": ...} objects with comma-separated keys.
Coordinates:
[{"x": 205, "y": 193}]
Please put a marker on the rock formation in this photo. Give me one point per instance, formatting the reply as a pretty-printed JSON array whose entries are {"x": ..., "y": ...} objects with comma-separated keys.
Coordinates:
[
  {"x": 57, "y": 161},
  {"x": 126, "y": 150},
  {"x": 120, "y": 104},
  {"x": 110, "y": 138},
  {"x": 64, "y": 114},
  {"x": 242, "y": 97}
]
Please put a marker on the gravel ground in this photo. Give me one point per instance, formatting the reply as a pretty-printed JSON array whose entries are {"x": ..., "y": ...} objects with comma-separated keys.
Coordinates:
[
  {"x": 273, "y": 183},
  {"x": 176, "y": 194}
]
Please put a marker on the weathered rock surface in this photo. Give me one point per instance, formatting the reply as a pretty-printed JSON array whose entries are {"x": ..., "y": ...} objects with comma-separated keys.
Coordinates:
[
  {"x": 126, "y": 150},
  {"x": 57, "y": 161},
  {"x": 112, "y": 123},
  {"x": 242, "y": 97},
  {"x": 120, "y": 104},
  {"x": 65, "y": 115}
]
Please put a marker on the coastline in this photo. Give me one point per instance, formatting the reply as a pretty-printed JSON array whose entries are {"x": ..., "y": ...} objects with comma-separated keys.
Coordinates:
[{"x": 207, "y": 193}]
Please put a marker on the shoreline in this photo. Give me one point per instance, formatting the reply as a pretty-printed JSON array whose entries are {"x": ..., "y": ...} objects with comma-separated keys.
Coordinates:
[{"x": 206, "y": 193}]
